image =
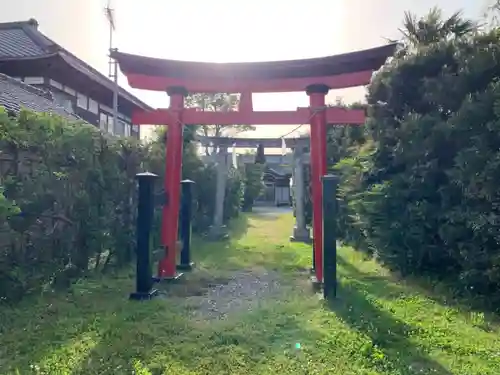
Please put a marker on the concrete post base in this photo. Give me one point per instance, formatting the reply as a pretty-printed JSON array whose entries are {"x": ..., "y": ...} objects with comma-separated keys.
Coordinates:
[
  {"x": 218, "y": 233},
  {"x": 301, "y": 235}
]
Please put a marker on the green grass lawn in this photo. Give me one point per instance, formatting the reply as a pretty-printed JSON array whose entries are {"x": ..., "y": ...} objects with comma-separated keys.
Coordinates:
[{"x": 376, "y": 326}]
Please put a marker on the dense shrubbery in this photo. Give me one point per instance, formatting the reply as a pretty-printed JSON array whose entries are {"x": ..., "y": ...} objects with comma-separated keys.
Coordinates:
[
  {"x": 421, "y": 188},
  {"x": 254, "y": 179},
  {"x": 204, "y": 176},
  {"x": 68, "y": 199},
  {"x": 342, "y": 141}
]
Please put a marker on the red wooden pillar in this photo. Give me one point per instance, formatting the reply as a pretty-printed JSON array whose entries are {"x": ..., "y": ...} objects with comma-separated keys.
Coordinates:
[
  {"x": 246, "y": 104},
  {"x": 173, "y": 174},
  {"x": 317, "y": 95}
]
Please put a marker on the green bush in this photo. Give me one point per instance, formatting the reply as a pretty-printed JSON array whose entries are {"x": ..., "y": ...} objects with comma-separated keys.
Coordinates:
[
  {"x": 75, "y": 191},
  {"x": 422, "y": 193},
  {"x": 342, "y": 141},
  {"x": 254, "y": 179},
  {"x": 205, "y": 178},
  {"x": 68, "y": 199}
]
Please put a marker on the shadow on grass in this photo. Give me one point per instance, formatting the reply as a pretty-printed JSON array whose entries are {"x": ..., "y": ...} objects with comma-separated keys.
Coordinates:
[
  {"x": 377, "y": 285},
  {"x": 208, "y": 253},
  {"x": 36, "y": 329},
  {"x": 167, "y": 345},
  {"x": 391, "y": 346},
  {"x": 446, "y": 294},
  {"x": 242, "y": 249},
  {"x": 443, "y": 293},
  {"x": 135, "y": 334}
]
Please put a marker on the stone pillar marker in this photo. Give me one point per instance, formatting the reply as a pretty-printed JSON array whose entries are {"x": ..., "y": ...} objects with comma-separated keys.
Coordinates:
[
  {"x": 300, "y": 231},
  {"x": 218, "y": 230}
]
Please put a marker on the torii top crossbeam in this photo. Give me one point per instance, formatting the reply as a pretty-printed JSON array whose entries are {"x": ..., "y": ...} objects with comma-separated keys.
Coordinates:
[
  {"x": 339, "y": 71},
  {"x": 332, "y": 72}
]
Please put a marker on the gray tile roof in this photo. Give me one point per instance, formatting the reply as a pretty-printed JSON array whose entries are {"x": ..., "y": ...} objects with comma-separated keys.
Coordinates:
[
  {"x": 15, "y": 95},
  {"x": 23, "y": 40},
  {"x": 16, "y": 43}
]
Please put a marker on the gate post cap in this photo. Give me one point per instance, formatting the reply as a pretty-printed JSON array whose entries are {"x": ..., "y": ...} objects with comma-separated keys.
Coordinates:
[
  {"x": 146, "y": 176},
  {"x": 329, "y": 177}
]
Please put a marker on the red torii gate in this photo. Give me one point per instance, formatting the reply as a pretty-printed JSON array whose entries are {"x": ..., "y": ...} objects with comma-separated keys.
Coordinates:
[{"x": 315, "y": 76}]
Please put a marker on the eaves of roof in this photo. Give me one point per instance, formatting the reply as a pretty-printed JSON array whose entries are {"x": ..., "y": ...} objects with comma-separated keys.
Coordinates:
[{"x": 23, "y": 41}]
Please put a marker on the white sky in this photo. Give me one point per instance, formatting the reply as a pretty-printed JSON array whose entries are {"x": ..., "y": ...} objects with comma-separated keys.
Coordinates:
[{"x": 227, "y": 30}]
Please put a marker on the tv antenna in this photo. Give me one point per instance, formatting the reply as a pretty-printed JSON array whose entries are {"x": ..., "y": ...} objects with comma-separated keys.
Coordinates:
[{"x": 112, "y": 63}]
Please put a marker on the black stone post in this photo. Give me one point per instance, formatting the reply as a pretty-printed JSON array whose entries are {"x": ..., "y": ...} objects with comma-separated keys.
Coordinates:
[
  {"x": 185, "y": 227},
  {"x": 144, "y": 280},
  {"x": 329, "y": 236}
]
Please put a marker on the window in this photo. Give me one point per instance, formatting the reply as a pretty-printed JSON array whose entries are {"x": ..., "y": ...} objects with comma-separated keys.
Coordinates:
[
  {"x": 110, "y": 125},
  {"x": 120, "y": 128},
  {"x": 64, "y": 100},
  {"x": 69, "y": 90},
  {"x": 93, "y": 106},
  {"x": 68, "y": 105},
  {"x": 103, "y": 121},
  {"x": 34, "y": 80},
  {"x": 127, "y": 130},
  {"x": 81, "y": 101},
  {"x": 56, "y": 84}
]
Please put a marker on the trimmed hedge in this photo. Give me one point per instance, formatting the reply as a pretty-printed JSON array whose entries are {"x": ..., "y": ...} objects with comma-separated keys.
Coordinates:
[
  {"x": 422, "y": 193},
  {"x": 68, "y": 199}
]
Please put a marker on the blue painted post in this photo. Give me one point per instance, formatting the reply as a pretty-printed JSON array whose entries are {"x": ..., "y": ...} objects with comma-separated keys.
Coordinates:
[
  {"x": 330, "y": 236},
  {"x": 185, "y": 225},
  {"x": 144, "y": 280}
]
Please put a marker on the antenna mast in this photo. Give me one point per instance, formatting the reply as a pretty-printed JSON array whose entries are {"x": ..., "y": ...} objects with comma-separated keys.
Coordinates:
[{"x": 112, "y": 63}]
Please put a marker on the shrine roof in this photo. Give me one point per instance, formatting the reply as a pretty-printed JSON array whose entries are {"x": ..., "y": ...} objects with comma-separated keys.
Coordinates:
[{"x": 176, "y": 70}]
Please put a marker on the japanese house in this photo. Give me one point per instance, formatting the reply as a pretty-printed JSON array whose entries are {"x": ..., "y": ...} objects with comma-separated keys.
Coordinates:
[
  {"x": 27, "y": 55},
  {"x": 276, "y": 179}
]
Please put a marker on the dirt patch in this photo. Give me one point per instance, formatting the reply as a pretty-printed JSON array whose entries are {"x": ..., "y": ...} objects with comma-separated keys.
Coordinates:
[
  {"x": 243, "y": 291},
  {"x": 195, "y": 287}
]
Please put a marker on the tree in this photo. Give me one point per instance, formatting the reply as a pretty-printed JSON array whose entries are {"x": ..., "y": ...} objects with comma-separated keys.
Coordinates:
[
  {"x": 216, "y": 102},
  {"x": 421, "y": 192},
  {"x": 254, "y": 184},
  {"x": 492, "y": 13},
  {"x": 433, "y": 28},
  {"x": 260, "y": 156},
  {"x": 254, "y": 179}
]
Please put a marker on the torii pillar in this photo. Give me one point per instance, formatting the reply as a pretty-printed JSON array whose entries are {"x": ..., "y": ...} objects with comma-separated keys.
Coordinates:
[
  {"x": 173, "y": 174},
  {"x": 317, "y": 94}
]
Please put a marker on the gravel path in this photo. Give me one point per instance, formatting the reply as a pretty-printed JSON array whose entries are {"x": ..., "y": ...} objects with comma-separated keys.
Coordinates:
[{"x": 244, "y": 292}]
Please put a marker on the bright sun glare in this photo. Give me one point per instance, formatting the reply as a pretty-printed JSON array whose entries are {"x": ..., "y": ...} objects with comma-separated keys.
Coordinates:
[{"x": 225, "y": 30}]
